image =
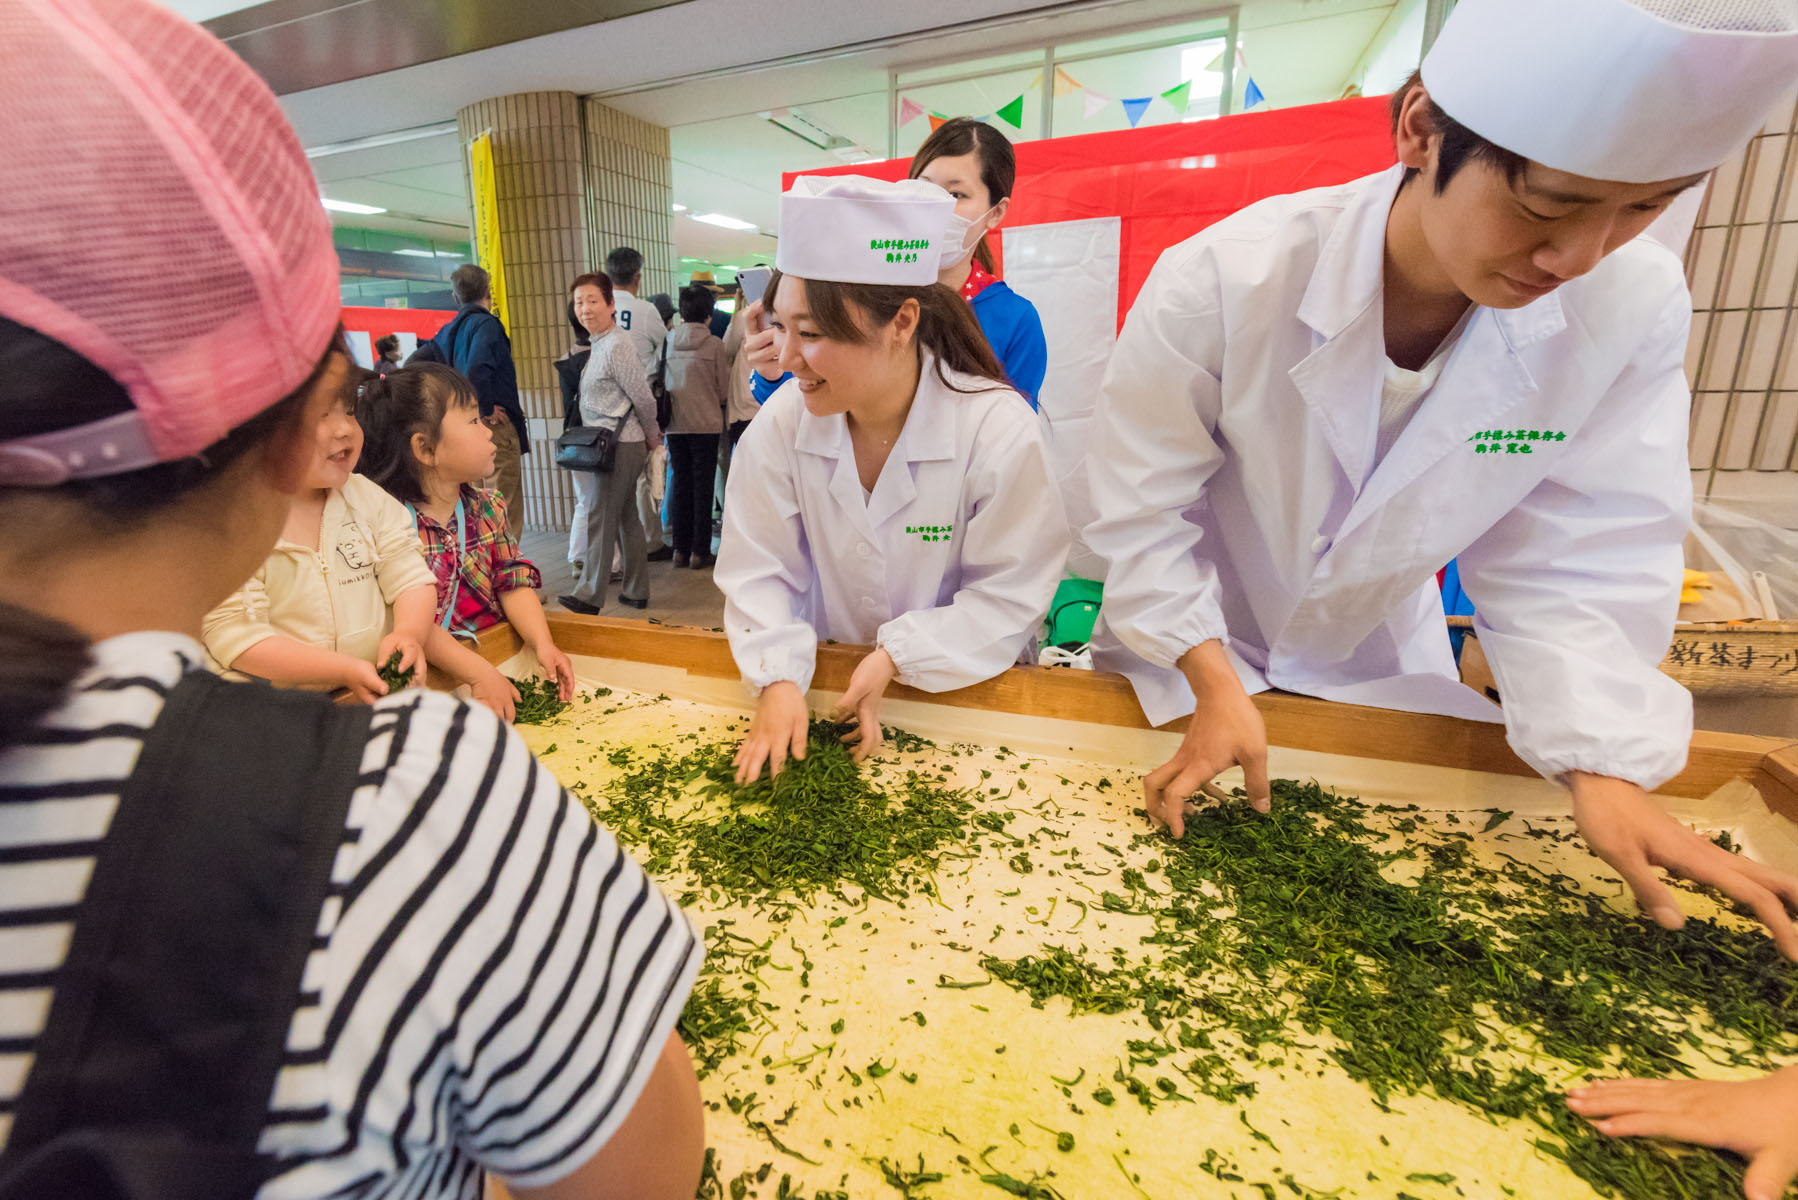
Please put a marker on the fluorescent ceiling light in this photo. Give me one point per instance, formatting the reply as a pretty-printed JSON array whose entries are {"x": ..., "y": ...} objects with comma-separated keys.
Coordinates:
[
  {"x": 411, "y": 253},
  {"x": 724, "y": 222},
  {"x": 451, "y": 254},
  {"x": 346, "y": 206},
  {"x": 440, "y": 129},
  {"x": 679, "y": 207}
]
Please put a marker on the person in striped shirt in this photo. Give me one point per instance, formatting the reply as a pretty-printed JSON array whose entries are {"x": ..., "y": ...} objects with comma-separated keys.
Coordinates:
[{"x": 491, "y": 984}]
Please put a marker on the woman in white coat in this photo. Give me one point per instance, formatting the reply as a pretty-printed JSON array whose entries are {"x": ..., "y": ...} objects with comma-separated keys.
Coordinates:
[
  {"x": 1319, "y": 401},
  {"x": 895, "y": 491}
]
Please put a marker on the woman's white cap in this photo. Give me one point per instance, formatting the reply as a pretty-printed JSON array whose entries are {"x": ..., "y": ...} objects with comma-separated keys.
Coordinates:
[
  {"x": 853, "y": 229},
  {"x": 1633, "y": 91}
]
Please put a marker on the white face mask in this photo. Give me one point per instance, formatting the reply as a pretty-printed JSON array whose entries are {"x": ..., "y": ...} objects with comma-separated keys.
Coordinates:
[{"x": 957, "y": 244}]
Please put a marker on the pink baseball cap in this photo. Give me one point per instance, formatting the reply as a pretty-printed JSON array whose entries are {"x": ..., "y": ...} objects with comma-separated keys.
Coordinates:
[{"x": 157, "y": 216}]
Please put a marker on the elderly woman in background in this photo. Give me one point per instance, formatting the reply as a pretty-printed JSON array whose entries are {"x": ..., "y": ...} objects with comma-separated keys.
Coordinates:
[{"x": 614, "y": 394}]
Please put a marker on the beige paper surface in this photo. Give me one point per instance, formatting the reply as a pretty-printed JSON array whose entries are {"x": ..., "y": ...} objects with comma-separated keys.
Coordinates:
[{"x": 984, "y": 1059}]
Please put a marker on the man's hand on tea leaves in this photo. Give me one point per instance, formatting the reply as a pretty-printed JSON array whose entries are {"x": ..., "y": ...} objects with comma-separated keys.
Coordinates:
[
  {"x": 1625, "y": 827},
  {"x": 1226, "y": 730}
]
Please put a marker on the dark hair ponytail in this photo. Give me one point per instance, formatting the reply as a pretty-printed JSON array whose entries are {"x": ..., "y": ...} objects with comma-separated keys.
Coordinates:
[
  {"x": 391, "y": 408},
  {"x": 998, "y": 163},
  {"x": 946, "y": 324},
  {"x": 45, "y": 386}
]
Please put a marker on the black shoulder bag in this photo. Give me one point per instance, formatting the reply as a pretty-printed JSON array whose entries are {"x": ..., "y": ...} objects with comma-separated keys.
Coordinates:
[
  {"x": 590, "y": 448},
  {"x": 170, "y": 1016}
]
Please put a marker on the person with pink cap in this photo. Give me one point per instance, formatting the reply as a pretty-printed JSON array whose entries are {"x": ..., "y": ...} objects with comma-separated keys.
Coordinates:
[{"x": 257, "y": 943}]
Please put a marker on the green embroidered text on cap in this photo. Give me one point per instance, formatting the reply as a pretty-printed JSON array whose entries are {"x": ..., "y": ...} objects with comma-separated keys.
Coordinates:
[{"x": 900, "y": 250}]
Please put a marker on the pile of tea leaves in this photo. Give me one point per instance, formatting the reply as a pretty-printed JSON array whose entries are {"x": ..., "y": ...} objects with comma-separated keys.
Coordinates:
[
  {"x": 822, "y": 826},
  {"x": 1404, "y": 947},
  {"x": 1284, "y": 932},
  {"x": 539, "y": 701}
]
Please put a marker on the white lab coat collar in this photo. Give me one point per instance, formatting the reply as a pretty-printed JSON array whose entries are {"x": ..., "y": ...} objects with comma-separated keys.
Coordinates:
[
  {"x": 1342, "y": 305},
  {"x": 1349, "y": 278}
]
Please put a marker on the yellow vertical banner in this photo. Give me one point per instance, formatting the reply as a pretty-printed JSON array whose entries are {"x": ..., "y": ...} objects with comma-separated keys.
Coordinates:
[{"x": 486, "y": 221}]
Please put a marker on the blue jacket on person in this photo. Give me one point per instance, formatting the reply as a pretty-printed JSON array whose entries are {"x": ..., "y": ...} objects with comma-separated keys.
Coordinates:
[
  {"x": 475, "y": 343},
  {"x": 1012, "y": 328}
]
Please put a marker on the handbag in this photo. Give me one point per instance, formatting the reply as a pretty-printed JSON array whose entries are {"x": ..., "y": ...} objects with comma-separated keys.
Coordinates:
[{"x": 590, "y": 448}]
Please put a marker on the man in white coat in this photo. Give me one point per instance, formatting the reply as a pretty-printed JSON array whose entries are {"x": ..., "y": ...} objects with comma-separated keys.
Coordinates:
[{"x": 1318, "y": 402}]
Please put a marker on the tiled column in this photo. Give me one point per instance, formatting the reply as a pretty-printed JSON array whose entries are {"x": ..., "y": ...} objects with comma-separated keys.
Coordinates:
[
  {"x": 1742, "y": 263},
  {"x": 630, "y": 193},
  {"x": 573, "y": 179}
]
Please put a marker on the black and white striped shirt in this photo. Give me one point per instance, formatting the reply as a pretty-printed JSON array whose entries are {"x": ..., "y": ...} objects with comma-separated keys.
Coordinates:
[{"x": 491, "y": 979}]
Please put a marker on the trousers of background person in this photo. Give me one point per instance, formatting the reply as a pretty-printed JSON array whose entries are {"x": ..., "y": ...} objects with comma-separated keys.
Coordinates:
[
  {"x": 612, "y": 519},
  {"x": 586, "y": 495},
  {"x": 508, "y": 474},
  {"x": 695, "y": 460}
]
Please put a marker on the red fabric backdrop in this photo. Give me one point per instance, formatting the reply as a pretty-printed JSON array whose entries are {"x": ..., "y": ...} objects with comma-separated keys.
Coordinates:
[
  {"x": 379, "y": 322},
  {"x": 1167, "y": 182}
]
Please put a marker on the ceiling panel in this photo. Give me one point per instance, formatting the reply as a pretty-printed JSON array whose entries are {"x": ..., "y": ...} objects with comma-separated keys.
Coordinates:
[
  {"x": 300, "y": 44},
  {"x": 728, "y": 159}
]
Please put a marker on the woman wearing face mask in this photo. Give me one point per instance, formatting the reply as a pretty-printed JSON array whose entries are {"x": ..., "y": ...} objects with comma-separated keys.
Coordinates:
[
  {"x": 895, "y": 491},
  {"x": 974, "y": 163}
]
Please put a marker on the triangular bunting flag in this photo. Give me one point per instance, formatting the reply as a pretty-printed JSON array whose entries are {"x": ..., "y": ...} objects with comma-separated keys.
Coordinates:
[
  {"x": 909, "y": 110},
  {"x": 1251, "y": 95},
  {"x": 1035, "y": 81},
  {"x": 1013, "y": 113},
  {"x": 937, "y": 121},
  {"x": 1177, "y": 96},
  {"x": 1095, "y": 101},
  {"x": 1134, "y": 109},
  {"x": 1064, "y": 83}
]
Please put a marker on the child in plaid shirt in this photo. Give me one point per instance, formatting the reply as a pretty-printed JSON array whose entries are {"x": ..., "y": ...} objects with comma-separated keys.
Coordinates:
[{"x": 425, "y": 443}]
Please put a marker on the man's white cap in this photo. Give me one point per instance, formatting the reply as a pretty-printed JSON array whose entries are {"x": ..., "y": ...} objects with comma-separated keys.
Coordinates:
[
  {"x": 852, "y": 229},
  {"x": 1632, "y": 91}
]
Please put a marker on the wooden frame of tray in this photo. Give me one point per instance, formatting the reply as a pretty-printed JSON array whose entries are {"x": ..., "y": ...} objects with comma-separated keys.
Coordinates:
[{"x": 1297, "y": 722}]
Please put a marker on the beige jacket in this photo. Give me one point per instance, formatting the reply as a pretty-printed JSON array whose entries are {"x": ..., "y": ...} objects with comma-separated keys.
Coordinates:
[
  {"x": 698, "y": 379},
  {"x": 742, "y": 401},
  {"x": 338, "y": 597}
]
